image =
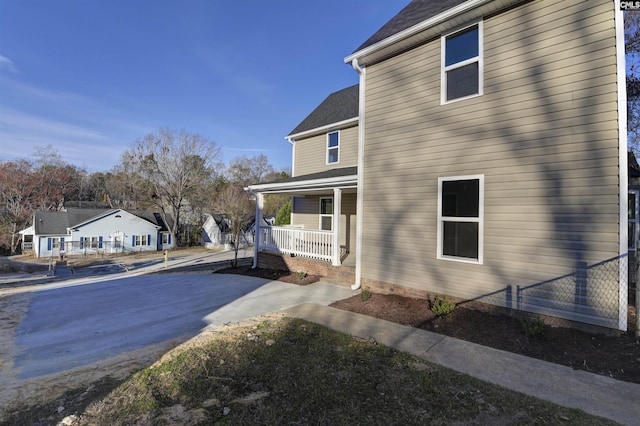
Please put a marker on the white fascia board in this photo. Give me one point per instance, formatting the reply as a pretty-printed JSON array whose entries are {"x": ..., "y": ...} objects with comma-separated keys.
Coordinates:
[
  {"x": 342, "y": 181},
  {"x": 323, "y": 129},
  {"x": 435, "y": 20}
]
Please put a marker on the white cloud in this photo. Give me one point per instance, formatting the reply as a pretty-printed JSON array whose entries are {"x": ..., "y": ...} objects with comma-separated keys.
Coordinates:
[
  {"x": 7, "y": 64},
  {"x": 36, "y": 92},
  {"x": 21, "y": 133}
]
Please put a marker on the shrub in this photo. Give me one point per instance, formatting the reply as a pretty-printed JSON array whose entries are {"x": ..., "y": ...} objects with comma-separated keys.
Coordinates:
[
  {"x": 283, "y": 217},
  {"x": 534, "y": 327},
  {"x": 365, "y": 294},
  {"x": 301, "y": 275},
  {"x": 442, "y": 306}
]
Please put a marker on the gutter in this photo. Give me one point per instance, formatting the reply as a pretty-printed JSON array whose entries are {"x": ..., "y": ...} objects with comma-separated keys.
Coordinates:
[
  {"x": 304, "y": 184},
  {"x": 435, "y": 20},
  {"x": 323, "y": 129}
]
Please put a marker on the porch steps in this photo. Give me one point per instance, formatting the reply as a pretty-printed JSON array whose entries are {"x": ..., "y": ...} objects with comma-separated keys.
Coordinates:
[{"x": 343, "y": 276}]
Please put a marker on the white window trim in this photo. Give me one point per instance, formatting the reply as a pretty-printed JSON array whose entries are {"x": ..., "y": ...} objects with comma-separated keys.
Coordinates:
[
  {"x": 479, "y": 220},
  {"x": 324, "y": 214},
  {"x": 333, "y": 147},
  {"x": 142, "y": 238},
  {"x": 92, "y": 242},
  {"x": 479, "y": 59}
]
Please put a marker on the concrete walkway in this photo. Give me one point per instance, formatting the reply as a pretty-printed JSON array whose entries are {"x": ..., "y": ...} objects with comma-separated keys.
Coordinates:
[{"x": 592, "y": 393}]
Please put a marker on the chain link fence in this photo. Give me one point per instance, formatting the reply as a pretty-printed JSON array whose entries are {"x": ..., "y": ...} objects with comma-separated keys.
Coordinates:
[{"x": 590, "y": 294}]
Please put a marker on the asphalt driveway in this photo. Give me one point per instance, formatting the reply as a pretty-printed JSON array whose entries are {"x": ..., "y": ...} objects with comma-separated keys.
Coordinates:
[
  {"x": 72, "y": 326},
  {"x": 67, "y": 325}
]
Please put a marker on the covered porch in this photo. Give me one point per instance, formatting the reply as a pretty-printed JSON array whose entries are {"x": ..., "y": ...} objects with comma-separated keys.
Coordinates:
[{"x": 322, "y": 217}]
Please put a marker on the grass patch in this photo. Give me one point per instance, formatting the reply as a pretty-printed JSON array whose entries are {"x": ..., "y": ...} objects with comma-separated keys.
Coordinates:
[{"x": 293, "y": 372}]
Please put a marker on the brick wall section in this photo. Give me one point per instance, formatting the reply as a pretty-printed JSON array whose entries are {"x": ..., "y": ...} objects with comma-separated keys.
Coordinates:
[
  {"x": 338, "y": 275},
  {"x": 279, "y": 262}
]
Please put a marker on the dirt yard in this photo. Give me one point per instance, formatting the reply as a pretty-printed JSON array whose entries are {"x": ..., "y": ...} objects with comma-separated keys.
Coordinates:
[{"x": 56, "y": 395}]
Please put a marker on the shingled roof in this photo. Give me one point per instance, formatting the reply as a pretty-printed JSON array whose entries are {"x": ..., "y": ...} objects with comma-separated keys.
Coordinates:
[
  {"x": 415, "y": 12},
  {"x": 338, "y": 106},
  {"x": 57, "y": 222}
]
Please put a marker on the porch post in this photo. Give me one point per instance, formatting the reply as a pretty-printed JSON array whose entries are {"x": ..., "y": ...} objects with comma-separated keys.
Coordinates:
[
  {"x": 337, "y": 212},
  {"x": 256, "y": 239}
]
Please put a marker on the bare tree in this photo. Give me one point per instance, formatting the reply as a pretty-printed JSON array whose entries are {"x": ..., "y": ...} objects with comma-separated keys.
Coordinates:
[
  {"x": 234, "y": 202},
  {"x": 274, "y": 202},
  {"x": 632, "y": 54},
  {"x": 245, "y": 171},
  {"x": 173, "y": 167},
  {"x": 16, "y": 193}
]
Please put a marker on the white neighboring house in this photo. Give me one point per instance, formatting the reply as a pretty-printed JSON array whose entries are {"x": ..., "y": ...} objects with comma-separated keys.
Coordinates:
[
  {"x": 85, "y": 231},
  {"x": 216, "y": 230}
]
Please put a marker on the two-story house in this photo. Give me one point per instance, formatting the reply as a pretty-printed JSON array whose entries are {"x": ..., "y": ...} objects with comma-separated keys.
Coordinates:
[
  {"x": 323, "y": 184},
  {"x": 491, "y": 160}
]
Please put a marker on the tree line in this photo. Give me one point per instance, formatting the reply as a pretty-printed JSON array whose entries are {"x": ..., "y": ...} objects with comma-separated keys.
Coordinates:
[{"x": 176, "y": 173}]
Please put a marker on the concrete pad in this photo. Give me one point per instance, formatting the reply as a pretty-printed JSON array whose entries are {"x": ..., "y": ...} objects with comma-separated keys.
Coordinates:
[{"x": 275, "y": 296}]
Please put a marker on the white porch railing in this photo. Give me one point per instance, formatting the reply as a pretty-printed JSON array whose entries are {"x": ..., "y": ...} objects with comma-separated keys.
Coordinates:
[{"x": 312, "y": 244}]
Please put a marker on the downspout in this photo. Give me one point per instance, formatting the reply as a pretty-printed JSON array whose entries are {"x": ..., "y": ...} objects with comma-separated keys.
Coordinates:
[
  {"x": 360, "y": 198},
  {"x": 293, "y": 156}
]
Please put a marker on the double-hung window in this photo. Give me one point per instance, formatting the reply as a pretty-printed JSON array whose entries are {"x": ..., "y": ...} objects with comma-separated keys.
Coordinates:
[
  {"x": 92, "y": 242},
  {"x": 461, "y": 218},
  {"x": 333, "y": 147},
  {"x": 462, "y": 63},
  {"x": 326, "y": 214},
  {"x": 140, "y": 240}
]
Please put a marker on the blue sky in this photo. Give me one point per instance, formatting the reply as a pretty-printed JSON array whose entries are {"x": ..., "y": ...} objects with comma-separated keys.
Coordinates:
[{"x": 89, "y": 77}]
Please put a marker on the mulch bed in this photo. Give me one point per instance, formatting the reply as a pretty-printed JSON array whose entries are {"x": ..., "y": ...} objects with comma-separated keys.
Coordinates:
[
  {"x": 271, "y": 274},
  {"x": 614, "y": 356}
]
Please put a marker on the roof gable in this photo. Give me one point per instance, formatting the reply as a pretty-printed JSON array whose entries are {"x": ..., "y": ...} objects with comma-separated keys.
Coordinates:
[
  {"x": 421, "y": 21},
  {"x": 414, "y": 13},
  {"x": 50, "y": 222},
  {"x": 337, "y": 107}
]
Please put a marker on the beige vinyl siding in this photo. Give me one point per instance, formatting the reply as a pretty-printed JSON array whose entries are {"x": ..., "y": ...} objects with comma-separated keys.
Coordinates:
[
  {"x": 311, "y": 153},
  {"x": 544, "y": 135},
  {"x": 306, "y": 213}
]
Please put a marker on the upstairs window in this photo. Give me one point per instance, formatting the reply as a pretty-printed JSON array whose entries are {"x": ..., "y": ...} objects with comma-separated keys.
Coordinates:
[
  {"x": 333, "y": 147},
  {"x": 460, "y": 218},
  {"x": 462, "y": 64}
]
